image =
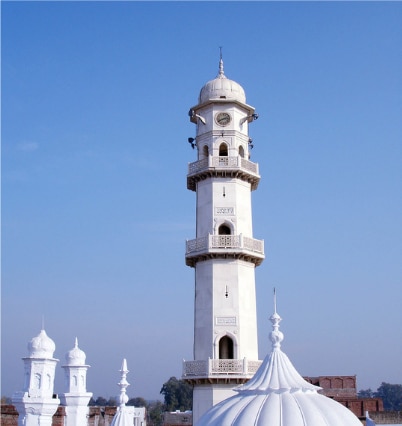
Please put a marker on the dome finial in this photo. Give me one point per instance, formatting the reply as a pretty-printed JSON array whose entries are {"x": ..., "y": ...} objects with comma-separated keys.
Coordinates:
[
  {"x": 123, "y": 398},
  {"x": 275, "y": 336},
  {"x": 221, "y": 72}
]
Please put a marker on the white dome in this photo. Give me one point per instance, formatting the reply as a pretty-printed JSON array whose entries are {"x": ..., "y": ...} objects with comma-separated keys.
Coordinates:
[
  {"x": 75, "y": 356},
  {"x": 278, "y": 396},
  {"x": 41, "y": 346},
  {"x": 222, "y": 88}
]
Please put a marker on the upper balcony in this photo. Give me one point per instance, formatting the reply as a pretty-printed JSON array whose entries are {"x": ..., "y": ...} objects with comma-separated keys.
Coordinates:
[
  {"x": 210, "y": 166},
  {"x": 224, "y": 246}
]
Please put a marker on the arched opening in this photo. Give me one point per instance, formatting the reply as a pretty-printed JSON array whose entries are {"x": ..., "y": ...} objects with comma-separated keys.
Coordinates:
[
  {"x": 224, "y": 230},
  {"x": 223, "y": 150},
  {"x": 226, "y": 348},
  {"x": 241, "y": 152},
  {"x": 37, "y": 381},
  {"x": 205, "y": 151}
]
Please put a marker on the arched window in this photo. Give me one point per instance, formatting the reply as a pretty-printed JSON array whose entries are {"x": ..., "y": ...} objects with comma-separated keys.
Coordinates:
[
  {"x": 226, "y": 348},
  {"x": 205, "y": 152},
  {"x": 37, "y": 381},
  {"x": 224, "y": 230},
  {"x": 223, "y": 150},
  {"x": 241, "y": 152}
]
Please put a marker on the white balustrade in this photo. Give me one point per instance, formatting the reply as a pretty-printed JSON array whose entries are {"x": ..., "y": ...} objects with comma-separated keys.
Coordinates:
[
  {"x": 211, "y": 242},
  {"x": 222, "y": 163},
  {"x": 215, "y": 367}
]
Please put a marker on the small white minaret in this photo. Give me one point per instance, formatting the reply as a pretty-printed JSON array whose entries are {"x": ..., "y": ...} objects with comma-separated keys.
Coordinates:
[
  {"x": 224, "y": 253},
  {"x": 124, "y": 415},
  {"x": 75, "y": 398},
  {"x": 36, "y": 403}
]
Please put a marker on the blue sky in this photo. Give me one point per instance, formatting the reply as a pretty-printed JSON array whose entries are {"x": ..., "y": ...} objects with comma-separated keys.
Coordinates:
[{"x": 95, "y": 210}]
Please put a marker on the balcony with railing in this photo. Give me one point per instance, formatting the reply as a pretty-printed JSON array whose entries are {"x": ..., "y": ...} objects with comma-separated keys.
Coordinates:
[
  {"x": 220, "y": 368},
  {"x": 223, "y": 166},
  {"x": 217, "y": 246}
]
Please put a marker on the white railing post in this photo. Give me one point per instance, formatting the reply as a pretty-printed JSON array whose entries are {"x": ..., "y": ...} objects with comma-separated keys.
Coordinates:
[
  {"x": 241, "y": 240},
  {"x": 245, "y": 366}
]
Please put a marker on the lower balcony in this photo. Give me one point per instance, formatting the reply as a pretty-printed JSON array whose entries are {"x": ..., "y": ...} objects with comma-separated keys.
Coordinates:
[
  {"x": 220, "y": 369},
  {"x": 224, "y": 246}
]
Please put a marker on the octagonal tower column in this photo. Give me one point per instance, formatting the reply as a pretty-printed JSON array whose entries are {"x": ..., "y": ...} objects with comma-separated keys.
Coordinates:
[
  {"x": 224, "y": 253},
  {"x": 36, "y": 403}
]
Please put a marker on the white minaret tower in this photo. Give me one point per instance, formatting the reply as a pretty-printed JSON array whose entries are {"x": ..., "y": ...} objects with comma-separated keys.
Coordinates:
[
  {"x": 75, "y": 398},
  {"x": 36, "y": 403},
  {"x": 224, "y": 253}
]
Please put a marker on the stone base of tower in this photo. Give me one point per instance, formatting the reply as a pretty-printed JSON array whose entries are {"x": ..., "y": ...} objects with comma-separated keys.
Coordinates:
[
  {"x": 34, "y": 411},
  {"x": 213, "y": 380},
  {"x": 206, "y": 395},
  {"x": 76, "y": 408}
]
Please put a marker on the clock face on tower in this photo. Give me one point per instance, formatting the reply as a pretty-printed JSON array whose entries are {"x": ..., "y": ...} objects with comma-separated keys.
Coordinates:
[{"x": 223, "y": 118}]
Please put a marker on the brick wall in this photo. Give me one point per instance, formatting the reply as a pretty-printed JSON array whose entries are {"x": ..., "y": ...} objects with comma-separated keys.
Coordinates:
[
  {"x": 386, "y": 417},
  {"x": 98, "y": 416}
]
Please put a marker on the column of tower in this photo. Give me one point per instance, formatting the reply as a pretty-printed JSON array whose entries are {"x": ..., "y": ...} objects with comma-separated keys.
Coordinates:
[
  {"x": 36, "y": 403},
  {"x": 224, "y": 253},
  {"x": 75, "y": 398}
]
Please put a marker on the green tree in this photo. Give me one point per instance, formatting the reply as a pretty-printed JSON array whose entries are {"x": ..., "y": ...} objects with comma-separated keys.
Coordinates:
[
  {"x": 137, "y": 402},
  {"x": 365, "y": 393},
  {"x": 391, "y": 396},
  {"x": 178, "y": 395},
  {"x": 155, "y": 413},
  {"x": 100, "y": 401}
]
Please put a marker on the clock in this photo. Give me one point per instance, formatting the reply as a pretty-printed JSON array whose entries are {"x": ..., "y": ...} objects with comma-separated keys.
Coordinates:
[{"x": 223, "y": 118}]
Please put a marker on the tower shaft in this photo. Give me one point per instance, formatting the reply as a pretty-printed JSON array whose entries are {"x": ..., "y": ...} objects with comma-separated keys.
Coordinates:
[{"x": 224, "y": 253}]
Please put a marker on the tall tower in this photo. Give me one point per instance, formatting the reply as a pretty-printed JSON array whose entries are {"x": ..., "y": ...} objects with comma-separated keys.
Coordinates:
[
  {"x": 75, "y": 398},
  {"x": 36, "y": 403},
  {"x": 224, "y": 253}
]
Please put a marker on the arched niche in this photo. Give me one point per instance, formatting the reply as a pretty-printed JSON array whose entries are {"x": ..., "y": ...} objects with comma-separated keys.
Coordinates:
[
  {"x": 223, "y": 150},
  {"x": 226, "y": 348},
  {"x": 204, "y": 152},
  {"x": 224, "y": 229}
]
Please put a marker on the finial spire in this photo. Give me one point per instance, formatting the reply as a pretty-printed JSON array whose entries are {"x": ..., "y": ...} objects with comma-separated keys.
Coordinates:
[
  {"x": 275, "y": 336},
  {"x": 123, "y": 398},
  {"x": 221, "y": 72},
  {"x": 76, "y": 342}
]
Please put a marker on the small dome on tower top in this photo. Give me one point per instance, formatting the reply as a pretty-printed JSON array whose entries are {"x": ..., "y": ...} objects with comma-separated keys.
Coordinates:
[
  {"x": 222, "y": 88},
  {"x": 41, "y": 346},
  {"x": 75, "y": 356}
]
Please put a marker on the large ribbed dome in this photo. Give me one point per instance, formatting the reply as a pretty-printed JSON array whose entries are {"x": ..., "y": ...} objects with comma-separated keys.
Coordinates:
[
  {"x": 278, "y": 396},
  {"x": 41, "y": 346},
  {"x": 222, "y": 88}
]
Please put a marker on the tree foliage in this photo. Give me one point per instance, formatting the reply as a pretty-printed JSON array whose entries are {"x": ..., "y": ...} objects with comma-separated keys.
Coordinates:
[
  {"x": 365, "y": 393},
  {"x": 137, "y": 402},
  {"x": 178, "y": 395},
  {"x": 100, "y": 401},
  {"x": 155, "y": 413},
  {"x": 391, "y": 396}
]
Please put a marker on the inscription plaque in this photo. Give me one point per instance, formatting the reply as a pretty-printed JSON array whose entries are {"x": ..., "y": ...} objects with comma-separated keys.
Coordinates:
[
  {"x": 225, "y": 320},
  {"x": 224, "y": 210}
]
